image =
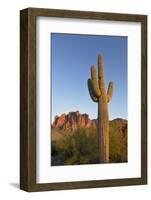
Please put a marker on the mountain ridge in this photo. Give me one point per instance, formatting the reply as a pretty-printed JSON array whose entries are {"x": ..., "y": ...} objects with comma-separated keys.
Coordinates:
[{"x": 75, "y": 119}]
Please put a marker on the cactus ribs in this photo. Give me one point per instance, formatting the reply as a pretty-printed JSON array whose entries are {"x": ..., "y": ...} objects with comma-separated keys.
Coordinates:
[{"x": 96, "y": 87}]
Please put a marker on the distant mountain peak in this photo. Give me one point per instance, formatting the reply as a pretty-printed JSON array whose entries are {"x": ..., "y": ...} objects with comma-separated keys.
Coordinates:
[
  {"x": 124, "y": 121},
  {"x": 72, "y": 120}
]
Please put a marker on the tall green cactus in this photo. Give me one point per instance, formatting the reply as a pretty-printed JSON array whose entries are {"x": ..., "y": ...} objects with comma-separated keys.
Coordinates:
[{"x": 96, "y": 86}]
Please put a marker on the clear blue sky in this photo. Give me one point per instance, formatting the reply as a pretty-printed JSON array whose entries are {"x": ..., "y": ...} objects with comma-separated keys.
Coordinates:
[{"x": 72, "y": 56}]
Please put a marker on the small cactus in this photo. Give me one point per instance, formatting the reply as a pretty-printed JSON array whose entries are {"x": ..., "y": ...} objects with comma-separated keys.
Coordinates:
[{"x": 96, "y": 87}]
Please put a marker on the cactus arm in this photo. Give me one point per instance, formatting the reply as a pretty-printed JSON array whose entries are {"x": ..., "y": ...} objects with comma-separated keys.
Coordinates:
[
  {"x": 91, "y": 92},
  {"x": 110, "y": 91},
  {"x": 94, "y": 81}
]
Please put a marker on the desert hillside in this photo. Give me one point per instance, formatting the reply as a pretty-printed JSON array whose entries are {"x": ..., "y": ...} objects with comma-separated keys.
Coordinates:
[{"x": 74, "y": 140}]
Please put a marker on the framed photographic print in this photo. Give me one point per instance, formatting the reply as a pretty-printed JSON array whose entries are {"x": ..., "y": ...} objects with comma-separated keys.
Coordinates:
[{"x": 83, "y": 99}]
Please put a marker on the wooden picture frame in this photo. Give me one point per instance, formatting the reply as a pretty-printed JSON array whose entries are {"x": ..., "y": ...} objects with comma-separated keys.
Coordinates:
[{"x": 28, "y": 98}]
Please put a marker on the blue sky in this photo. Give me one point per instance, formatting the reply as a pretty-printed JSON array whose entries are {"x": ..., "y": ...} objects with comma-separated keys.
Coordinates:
[{"x": 71, "y": 58}]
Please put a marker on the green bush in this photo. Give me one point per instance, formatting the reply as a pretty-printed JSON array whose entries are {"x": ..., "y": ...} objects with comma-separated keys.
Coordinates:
[
  {"x": 54, "y": 148},
  {"x": 118, "y": 143},
  {"x": 79, "y": 148}
]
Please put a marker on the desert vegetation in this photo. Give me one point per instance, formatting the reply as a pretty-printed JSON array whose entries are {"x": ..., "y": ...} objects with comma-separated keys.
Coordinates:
[{"x": 81, "y": 145}]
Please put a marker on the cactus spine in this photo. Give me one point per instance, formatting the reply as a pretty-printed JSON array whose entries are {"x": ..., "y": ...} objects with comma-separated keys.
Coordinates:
[{"x": 96, "y": 86}]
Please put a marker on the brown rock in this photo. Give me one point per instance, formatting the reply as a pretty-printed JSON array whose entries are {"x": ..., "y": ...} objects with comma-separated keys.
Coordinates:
[{"x": 72, "y": 120}]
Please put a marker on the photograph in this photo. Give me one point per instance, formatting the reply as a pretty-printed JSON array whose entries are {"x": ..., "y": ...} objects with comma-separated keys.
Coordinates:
[{"x": 88, "y": 115}]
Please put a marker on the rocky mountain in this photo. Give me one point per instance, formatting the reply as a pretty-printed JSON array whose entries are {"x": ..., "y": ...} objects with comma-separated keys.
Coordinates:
[
  {"x": 75, "y": 119},
  {"x": 72, "y": 120}
]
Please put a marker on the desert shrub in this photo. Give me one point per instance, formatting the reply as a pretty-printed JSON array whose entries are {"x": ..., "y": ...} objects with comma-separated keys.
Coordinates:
[
  {"x": 54, "y": 148},
  {"x": 118, "y": 143},
  {"x": 80, "y": 148}
]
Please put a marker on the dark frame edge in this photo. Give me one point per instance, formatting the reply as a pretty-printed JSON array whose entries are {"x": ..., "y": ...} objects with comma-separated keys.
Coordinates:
[
  {"x": 41, "y": 187},
  {"x": 144, "y": 99},
  {"x": 24, "y": 182},
  {"x": 94, "y": 15},
  {"x": 27, "y": 102}
]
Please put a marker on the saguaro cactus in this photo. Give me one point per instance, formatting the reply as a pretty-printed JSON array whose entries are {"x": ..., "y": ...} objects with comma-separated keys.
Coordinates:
[{"x": 96, "y": 86}]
